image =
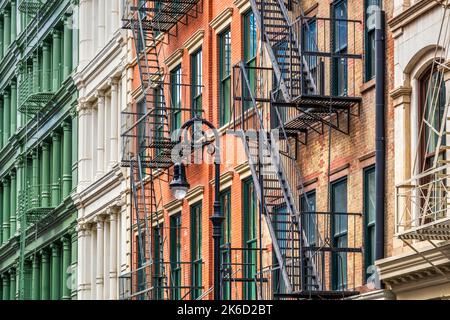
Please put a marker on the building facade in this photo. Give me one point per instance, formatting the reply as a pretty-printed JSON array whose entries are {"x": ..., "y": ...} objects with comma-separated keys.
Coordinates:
[
  {"x": 417, "y": 267},
  {"x": 212, "y": 61},
  {"x": 38, "y": 157},
  {"x": 102, "y": 81}
]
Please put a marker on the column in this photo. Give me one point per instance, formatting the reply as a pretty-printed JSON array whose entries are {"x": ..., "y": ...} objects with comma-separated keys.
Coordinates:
[
  {"x": 6, "y": 209},
  {"x": 20, "y": 179},
  {"x": 1, "y": 35},
  {"x": 13, "y": 107},
  {"x": 5, "y": 287},
  {"x": 56, "y": 60},
  {"x": 35, "y": 187},
  {"x": 113, "y": 254},
  {"x": 1, "y": 213},
  {"x": 36, "y": 73},
  {"x": 46, "y": 67},
  {"x": 13, "y": 284},
  {"x": 56, "y": 168},
  {"x": 100, "y": 253},
  {"x": 65, "y": 268},
  {"x": 45, "y": 175},
  {"x": 100, "y": 134},
  {"x": 74, "y": 116},
  {"x": 45, "y": 277},
  {"x": 85, "y": 138},
  {"x": 13, "y": 20},
  {"x": 84, "y": 261},
  {"x": 6, "y": 30},
  {"x": 115, "y": 19},
  {"x": 67, "y": 159},
  {"x": 86, "y": 27},
  {"x": 101, "y": 27},
  {"x": 74, "y": 263},
  {"x": 55, "y": 272},
  {"x": 35, "y": 278},
  {"x": 1, "y": 122},
  {"x": 13, "y": 200},
  {"x": 67, "y": 47},
  {"x": 114, "y": 123},
  {"x": 6, "y": 117}
]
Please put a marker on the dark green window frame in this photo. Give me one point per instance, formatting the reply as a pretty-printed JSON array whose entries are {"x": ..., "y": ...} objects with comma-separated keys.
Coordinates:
[
  {"x": 369, "y": 37},
  {"x": 159, "y": 115},
  {"x": 196, "y": 81},
  {"x": 369, "y": 218},
  {"x": 249, "y": 238},
  {"x": 225, "y": 76},
  {"x": 250, "y": 52},
  {"x": 340, "y": 47},
  {"x": 196, "y": 250},
  {"x": 225, "y": 241},
  {"x": 175, "y": 97},
  {"x": 280, "y": 219},
  {"x": 158, "y": 283},
  {"x": 308, "y": 205},
  {"x": 310, "y": 46},
  {"x": 175, "y": 256},
  {"x": 339, "y": 232}
]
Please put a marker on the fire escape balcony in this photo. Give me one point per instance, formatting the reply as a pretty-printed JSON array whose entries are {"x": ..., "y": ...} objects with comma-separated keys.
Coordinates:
[
  {"x": 423, "y": 206},
  {"x": 32, "y": 7},
  {"x": 36, "y": 202},
  {"x": 31, "y": 97}
]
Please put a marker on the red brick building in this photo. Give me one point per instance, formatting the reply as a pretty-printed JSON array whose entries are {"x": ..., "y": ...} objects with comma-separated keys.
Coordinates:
[{"x": 314, "y": 237}]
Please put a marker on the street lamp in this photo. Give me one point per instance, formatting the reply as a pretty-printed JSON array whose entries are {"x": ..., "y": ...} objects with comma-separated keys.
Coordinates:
[{"x": 179, "y": 187}]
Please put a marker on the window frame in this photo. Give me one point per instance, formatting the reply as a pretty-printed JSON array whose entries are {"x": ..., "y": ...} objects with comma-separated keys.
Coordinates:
[
  {"x": 196, "y": 249},
  {"x": 339, "y": 50},
  {"x": 249, "y": 209},
  {"x": 175, "y": 256},
  {"x": 224, "y": 76},
  {"x": 175, "y": 97},
  {"x": 197, "y": 82},
  {"x": 225, "y": 241},
  {"x": 369, "y": 225}
]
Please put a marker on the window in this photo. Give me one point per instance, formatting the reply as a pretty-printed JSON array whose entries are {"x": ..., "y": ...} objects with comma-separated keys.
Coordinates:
[
  {"x": 175, "y": 95},
  {"x": 340, "y": 34},
  {"x": 225, "y": 76},
  {"x": 339, "y": 234},
  {"x": 142, "y": 127},
  {"x": 159, "y": 115},
  {"x": 281, "y": 219},
  {"x": 175, "y": 256},
  {"x": 141, "y": 280},
  {"x": 371, "y": 7},
  {"x": 250, "y": 49},
  {"x": 196, "y": 250},
  {"x": 158, "y": 262},
  {"x": 369, "y": 217},
  {"x": 310, "y": 46},
  {"x": 250, "y": 239},
  {"x": 196, "y": 74},
  {"x": 308, "y": 207},
  {"x": 225, "y": 209}
]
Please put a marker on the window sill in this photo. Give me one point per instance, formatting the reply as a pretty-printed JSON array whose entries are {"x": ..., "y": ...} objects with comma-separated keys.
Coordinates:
[{"x": 367, "y": 86}]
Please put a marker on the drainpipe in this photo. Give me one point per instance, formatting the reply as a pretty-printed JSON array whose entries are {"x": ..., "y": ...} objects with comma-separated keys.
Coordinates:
[{"x": 380, "y": 139}]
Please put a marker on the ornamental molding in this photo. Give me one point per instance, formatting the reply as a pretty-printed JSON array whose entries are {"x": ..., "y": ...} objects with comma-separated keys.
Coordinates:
[
  {"x": 243, "y": 170},
  {"x": 195, "y": 195},
  {"x": 409, "y": 15},
  {"x": 222, "y": 20},
  {"x": 174, "y": 206},
  {"x": 226, "y": 180},
  {"x": 195, "y": 41},
  {"x": 174, "y": 59},
  {"x": 242, "y": 5}
]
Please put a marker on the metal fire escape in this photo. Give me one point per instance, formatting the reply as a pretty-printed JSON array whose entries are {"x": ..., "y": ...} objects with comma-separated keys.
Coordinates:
[
  {"x": 422, "y": 202},
  {"x": 147, "y": 145},
  {"x": 295, "y": 93}
]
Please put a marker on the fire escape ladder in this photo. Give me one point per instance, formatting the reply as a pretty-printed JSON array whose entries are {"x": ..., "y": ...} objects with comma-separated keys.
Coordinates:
[
  {"x": 284, "y": 48},
  {"x": 275, "y": 193}
]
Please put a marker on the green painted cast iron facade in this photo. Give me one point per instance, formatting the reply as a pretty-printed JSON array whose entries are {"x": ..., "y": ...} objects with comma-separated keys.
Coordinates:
[{"x": 38, "y": 149}]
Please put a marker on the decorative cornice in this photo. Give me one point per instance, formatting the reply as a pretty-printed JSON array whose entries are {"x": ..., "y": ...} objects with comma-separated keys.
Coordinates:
[
  {"x": 222, "y": 20},
  {"x": 243, "y": 170},
  {"x": 174, "y": 206},
  {"x": 195, "y": 41},
  {"x": 410, "y": 14},
  {"x": 401, "y": 95},
  {"x": 242, "y": 5},
  {"x": 194, "y": 195},
  {"x": 174, "y": 59},
  {"x": 225, "y": 180}
]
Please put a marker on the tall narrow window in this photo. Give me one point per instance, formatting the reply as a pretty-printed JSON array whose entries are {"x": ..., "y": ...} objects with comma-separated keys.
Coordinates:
[
  {"x": 159, "y": 116},
  {"x": 340, "y": 46},
  {"x": 371, "y": 7},
  {"x": 175, "y": 95},
  {"x": 250, "y": 239},
  {"x": 175, "y": 256},
  {"x": 308, "y": 206},
  {"x": 225, "y": 76},
  {"x": 310, "y": 46},
  {"x": 225, "y": 208},
  {"x": 196, "y": 250},
  {"x": 142, "y": 127},
  {"x": 250, "y": 49},
  {"x": 196, "y": 74},
  {"x": 158, "y": 262},
  {"x": 369, "y": 217},
  {"x": 282, "y": 228},
  {"x": 339, "y": 233}
]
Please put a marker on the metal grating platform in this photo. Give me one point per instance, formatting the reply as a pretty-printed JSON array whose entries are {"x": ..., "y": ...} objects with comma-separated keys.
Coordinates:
[
  {"x": 438, "y": 230},
  {"x": 30, "y": 7},
  {"x": 34, "y": 102}
]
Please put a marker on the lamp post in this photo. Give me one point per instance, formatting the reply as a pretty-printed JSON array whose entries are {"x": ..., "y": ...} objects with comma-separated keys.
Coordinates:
[{"x": 180, "y": 186}]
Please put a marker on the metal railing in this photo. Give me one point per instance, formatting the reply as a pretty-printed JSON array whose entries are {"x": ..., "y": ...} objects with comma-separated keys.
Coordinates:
[
  {"x": 32, "y": 98},
  {"x": 37, "y": 201}
]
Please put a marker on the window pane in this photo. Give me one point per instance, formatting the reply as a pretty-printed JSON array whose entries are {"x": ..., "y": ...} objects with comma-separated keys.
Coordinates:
[
  {"x": 225, "y": 77},
  {"x": 308, "y": 204}
]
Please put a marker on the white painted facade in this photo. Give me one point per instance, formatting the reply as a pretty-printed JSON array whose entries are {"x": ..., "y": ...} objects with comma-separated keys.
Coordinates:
[
  {"x": 103, "y": 219},
  {"x": 415, "y": 27}
]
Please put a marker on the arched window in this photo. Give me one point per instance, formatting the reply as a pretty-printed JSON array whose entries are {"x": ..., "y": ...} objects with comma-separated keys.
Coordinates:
[{"x": 431, "y": 108}]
